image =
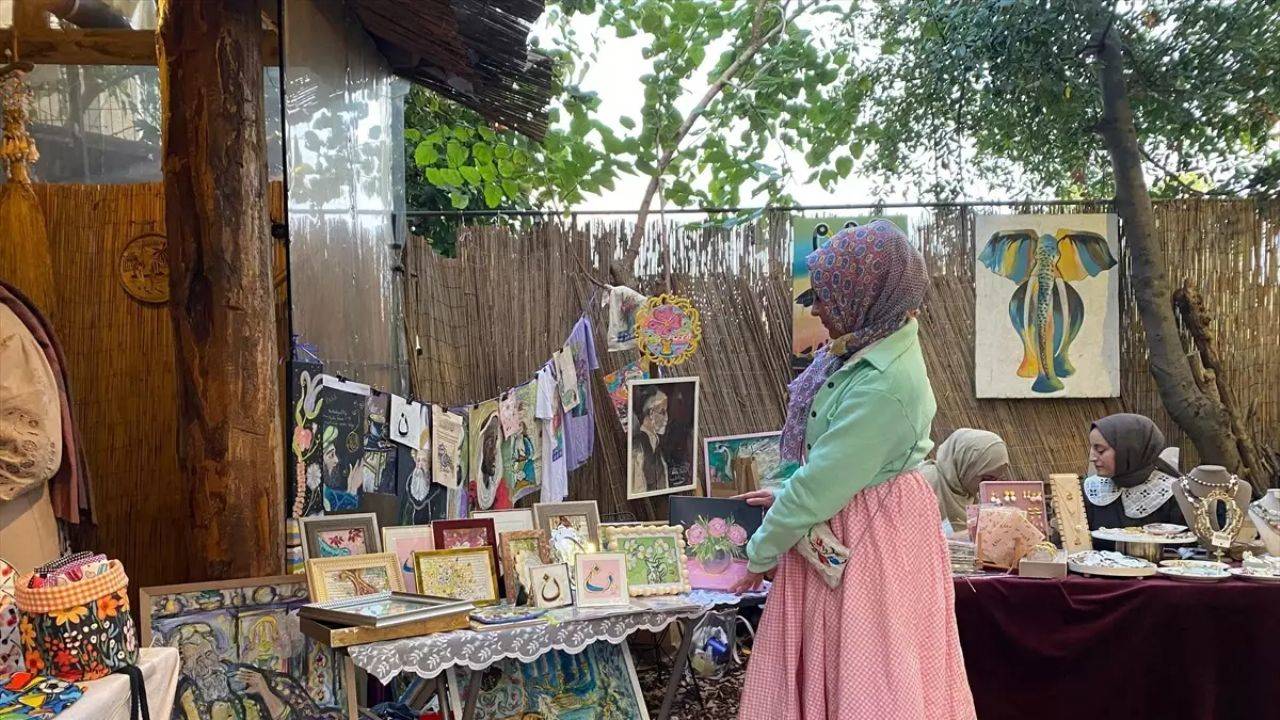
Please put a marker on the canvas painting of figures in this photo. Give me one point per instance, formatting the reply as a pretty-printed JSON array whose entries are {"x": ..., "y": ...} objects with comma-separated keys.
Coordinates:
[
  {"x": 1047, "y": 313},
  {"x": 240, "y": 650}
]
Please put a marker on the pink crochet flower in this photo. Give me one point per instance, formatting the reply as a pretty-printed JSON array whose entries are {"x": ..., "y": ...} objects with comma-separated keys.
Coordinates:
[
  {"x": 718, "y": 527},
  {"x": 302, "y": 438},
  {"x": 737, "y": 534},
  {"x": 695, "y": 535}
]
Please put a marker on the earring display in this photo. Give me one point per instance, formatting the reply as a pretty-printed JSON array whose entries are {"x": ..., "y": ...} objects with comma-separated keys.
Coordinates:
[{"x": 1025, "y": 495}]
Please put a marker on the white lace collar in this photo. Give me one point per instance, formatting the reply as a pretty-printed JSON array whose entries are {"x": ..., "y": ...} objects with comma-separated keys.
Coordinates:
[{"x": 1139, "y": 500}]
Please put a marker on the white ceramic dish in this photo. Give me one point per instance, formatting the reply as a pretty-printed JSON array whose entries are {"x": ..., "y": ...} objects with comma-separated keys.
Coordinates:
[
  {"x": 1164, "y": 529},
  {"x": 1130, "y": 536},
  {"x": 1247, "y": 576},
  {"x": 1109, "y": 564},
  {"x": 1195, "y": 575},
  {"x": 1208, "y": 564}
]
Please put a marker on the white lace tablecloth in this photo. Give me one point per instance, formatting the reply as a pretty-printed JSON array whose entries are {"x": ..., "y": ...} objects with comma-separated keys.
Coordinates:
[{"x": 429, "y": 655}]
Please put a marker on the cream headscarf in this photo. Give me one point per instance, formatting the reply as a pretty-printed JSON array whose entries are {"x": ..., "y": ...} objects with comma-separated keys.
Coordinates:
[{"x": 963, "y": 459}]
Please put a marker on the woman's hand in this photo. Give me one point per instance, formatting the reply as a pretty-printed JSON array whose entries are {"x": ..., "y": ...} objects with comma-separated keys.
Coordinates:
[
  {"x": 750, "y": 581},
  {"x": 757, "y": 498}
]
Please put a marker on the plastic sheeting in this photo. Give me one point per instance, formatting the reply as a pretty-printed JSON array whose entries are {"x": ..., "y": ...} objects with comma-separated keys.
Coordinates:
[{"x": 344, "y": 116}]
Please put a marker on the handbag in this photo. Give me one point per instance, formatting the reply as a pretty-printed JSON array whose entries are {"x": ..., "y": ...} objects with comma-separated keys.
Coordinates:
[
  {"x": 824, "y": 553},
  {"x": 79, "y": 631}
]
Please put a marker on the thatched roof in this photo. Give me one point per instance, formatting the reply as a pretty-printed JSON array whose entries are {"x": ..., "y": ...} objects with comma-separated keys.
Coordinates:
[{"x": 472, "y": 51}]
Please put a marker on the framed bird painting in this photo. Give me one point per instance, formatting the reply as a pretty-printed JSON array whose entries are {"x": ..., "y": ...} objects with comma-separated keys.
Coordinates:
[{"x": 1047, "y": 313}]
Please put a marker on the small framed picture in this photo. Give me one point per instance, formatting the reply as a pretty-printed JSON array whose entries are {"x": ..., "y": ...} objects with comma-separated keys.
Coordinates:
[
  {"x": 550, "y": 586},
  {"x": 505, "y": 521},
  {"x": 735, "y": 464},
  {"x": 583, "y": 516},
  {"x": 382, "y": 609},
  {"x": 339, "y": 578},
  {"x": 522, "y": 549},
  {"x": 655, "y": 558},
  {"x": 326, "y": 536},
  {"x": 404, "y": 541},
  {"x": 458, "y": 573},
  {"x": 601, "y": 579},
  {"x": 468, "y": 533},
  {"x": 662, "y": 440}
]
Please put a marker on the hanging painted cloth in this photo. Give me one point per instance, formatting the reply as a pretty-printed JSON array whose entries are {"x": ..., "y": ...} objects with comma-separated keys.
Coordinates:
[
  {"x": 623, "y": 303},
  {"x": 69, "y": 486},
  {"x": 555, "y": 476},
  {"x": 25, "y": 695},
  {"x": 521, "y": 448},
  {"x": 579, "y": 423}
]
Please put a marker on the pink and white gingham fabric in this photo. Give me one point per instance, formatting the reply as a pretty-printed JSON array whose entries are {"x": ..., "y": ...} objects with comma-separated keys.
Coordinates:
[{"x": 881, "y": 646}]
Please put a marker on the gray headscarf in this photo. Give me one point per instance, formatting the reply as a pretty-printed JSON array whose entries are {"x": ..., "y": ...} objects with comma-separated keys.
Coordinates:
[
  {"x": 963, "y": 460},
  {"x": 1137, "y": 443}
]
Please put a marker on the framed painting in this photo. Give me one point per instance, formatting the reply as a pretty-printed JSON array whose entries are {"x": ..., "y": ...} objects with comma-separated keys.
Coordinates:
[
  {"x": 327, "y": 536},
  {"x": 460, "y": 573},
  {"x": 582, "y": 516},
  {"x": 1047, "y": 312},
  {"x": 601, "y": 579},
  {"x": 466, "y": 533},
  {"x": 808, "y": 335},
  {"x": 338, "y": 578},
  {"x": 550, "y": 585},
  {"x": 505, "y": 521},
  {"x": 655, "y": 558},
  {"x": 716, "y": 532},
  {"x": 599, "y": 682},
  {"x": 522, "y": 549},
  {"x": 403, "y": 542},
  {"x": 736, "y": 464},
  {"x": 242, "y": 654},
  {"x": 662, "y": 439}
]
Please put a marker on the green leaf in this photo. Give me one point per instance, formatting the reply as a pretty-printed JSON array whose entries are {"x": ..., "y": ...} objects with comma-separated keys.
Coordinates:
[
  {"x": 844, "y": 166},
  {"x": 511, "y": 188},
  {"x": 425, "y": 154},
  {"x": 459, "y": 200},
  {"x": 488, "y": 172},
  {"x": 470, "y": 174},
  {"x": 502, "y": 151},
  {"x": 486, "y": 134},
  {"x": 451, "y": 177},
  {"x": 462, "y": 132},
  {"x": 492, "y": 195},
  {"x": 482, "y": 152},
  {"x": 413, "y": 135},
  {"x": 435, "y": 176},
  {"x": 505, "y": 168},
  {"x": 456, "y": 153},
  {"x": 627, "y": 122}
]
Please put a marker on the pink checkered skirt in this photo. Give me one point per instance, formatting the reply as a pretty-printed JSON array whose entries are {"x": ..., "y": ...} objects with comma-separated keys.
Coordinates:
[{"x": 881, "y": 646}]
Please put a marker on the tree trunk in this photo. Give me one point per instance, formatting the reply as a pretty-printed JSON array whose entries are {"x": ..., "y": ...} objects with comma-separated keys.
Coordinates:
[
  {"x": 222, "y": 302},
  {"x": 1203, "y": 419}
]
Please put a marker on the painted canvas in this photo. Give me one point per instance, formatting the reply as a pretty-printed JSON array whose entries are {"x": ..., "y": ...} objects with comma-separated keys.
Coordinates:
[
  {"x": 662, "y": 442},
  {"x": 655, "y": 558},
  {"x": 600, "y": 579},
  {"x": 521, "y": 441},
  {"x": 419, "y": 500},
  {"x": 339, "y": 578},
  {"x": 404, "y": 542},
  {"x": 340, "y": 535},
  {"x": 618, "y": 383},
  {"x": 340, "y": 430},
  {"x": 462, "y": 573},
  {"x": 303, "y": 493},
  {"x": 240, "y": 651},
  {"x": 1047, "y": 319},
  {"x": 808, "y": 234},
  {"x": 716, "y": 532},
  {"x": 599, "y": 682},
  {"x": 487, "y": 485},
  {"x": 740, "y": 463}
]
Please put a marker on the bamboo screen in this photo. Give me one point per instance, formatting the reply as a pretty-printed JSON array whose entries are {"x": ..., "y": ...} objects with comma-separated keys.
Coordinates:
[{"x": 487, "y": 320}]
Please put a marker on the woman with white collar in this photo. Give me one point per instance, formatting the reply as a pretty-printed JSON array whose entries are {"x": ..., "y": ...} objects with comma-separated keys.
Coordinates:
[{"x": 1134, "y": 474}]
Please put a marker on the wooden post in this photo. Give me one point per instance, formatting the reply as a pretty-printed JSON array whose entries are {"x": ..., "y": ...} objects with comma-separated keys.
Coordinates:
[{"x": 222, "y": 302}]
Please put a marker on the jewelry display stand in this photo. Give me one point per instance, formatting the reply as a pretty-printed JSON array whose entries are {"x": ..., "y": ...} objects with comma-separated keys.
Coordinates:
[
  {"x": 1200, "y": 493},
  {"x": 1265, "y": 514}
]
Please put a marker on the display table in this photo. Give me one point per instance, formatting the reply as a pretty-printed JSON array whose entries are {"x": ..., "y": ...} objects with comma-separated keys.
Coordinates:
[
  {"x": 431, "y": 655},
  {"x": 1113, "y": 648},
  {"x": 108, "y": 698}
]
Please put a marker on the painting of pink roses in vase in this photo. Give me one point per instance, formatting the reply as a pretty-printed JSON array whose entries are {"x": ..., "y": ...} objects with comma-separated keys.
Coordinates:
[{"x": 716, "y": 532}]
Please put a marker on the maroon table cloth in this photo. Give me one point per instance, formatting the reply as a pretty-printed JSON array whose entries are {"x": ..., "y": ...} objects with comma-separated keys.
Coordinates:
[{"x": 1099, "y": 648}]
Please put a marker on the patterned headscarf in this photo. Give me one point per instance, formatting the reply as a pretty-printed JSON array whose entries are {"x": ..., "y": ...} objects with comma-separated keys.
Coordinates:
[{"x": 868, "y": 277}]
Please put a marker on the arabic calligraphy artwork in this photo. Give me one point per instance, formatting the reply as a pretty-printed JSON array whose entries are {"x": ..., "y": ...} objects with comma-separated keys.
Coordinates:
[
  {"x": 668, "y": 329},
  {"x": 601, "y": 579}
]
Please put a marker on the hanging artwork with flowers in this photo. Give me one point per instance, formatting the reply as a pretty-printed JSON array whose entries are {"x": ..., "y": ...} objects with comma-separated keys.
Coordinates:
[{"x": 668, "y": 329}]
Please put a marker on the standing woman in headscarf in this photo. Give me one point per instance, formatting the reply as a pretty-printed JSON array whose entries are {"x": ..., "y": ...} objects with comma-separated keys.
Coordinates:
[
  {"x": 965, "y": 459},
  {"x": 1128, "y": 454},
  {"x": 881, "y": 641}
]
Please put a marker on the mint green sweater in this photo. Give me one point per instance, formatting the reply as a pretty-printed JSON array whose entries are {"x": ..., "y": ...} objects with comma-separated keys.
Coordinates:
[{"x": 868, "y": 424}]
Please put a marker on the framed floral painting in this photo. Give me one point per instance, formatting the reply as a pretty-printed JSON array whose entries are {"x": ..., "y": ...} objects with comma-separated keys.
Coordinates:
[
  {"x": 459, "y": 573},
  {"x": 716, "y": 532},
  {"x": 522, "y": 549},
  {"x": 655, "y": 558},
  {"x": 326, "y": 536},
  {"x": 466, "y": 533},
  {"x": 601, "y": 579}
]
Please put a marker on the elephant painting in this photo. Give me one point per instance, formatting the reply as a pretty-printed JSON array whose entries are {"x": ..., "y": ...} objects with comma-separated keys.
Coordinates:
[{"x": 1046, "y": 311}]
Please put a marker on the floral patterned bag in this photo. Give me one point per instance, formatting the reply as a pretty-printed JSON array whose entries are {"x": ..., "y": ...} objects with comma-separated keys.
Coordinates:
[{"x": 78, "y": 632}]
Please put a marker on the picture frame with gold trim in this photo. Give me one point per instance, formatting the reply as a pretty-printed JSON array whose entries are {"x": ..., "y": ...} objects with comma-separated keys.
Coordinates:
[
  {"x": 339, "y": 578},
  {"x": 458, "y": 573}
]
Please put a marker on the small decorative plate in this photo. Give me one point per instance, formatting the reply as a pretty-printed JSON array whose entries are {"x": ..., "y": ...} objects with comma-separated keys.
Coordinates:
[
  {"x": 1255, "y": 576},
  {"x": 1139, "y": 535},
  {"x": 1205, "y": 564},
  {"x": 1164, "y": 529},
  {"x": 1106, "y": 563},
  {"x": 1195, "y": 574}
]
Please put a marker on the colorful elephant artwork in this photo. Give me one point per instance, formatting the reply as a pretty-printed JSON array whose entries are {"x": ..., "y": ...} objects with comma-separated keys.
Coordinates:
[{"x": 1046, "y": 309}]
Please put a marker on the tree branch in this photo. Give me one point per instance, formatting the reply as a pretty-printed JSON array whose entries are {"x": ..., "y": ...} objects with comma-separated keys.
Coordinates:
[{"x": 622, "y": 269}]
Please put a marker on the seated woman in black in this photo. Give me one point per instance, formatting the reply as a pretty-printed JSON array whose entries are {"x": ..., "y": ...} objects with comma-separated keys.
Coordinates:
[{"x": 1133, "y": 484}]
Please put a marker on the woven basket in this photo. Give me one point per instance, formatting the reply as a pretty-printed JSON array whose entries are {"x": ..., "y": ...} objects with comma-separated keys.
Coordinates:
[{"x": 77, "y": 632}]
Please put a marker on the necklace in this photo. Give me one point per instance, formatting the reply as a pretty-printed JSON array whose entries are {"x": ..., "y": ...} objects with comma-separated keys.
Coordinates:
[
  {"x": 1269, "y": 516},
  {"x": 1230, "y": 482},
  {"x": 1206, "y": 514}
]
